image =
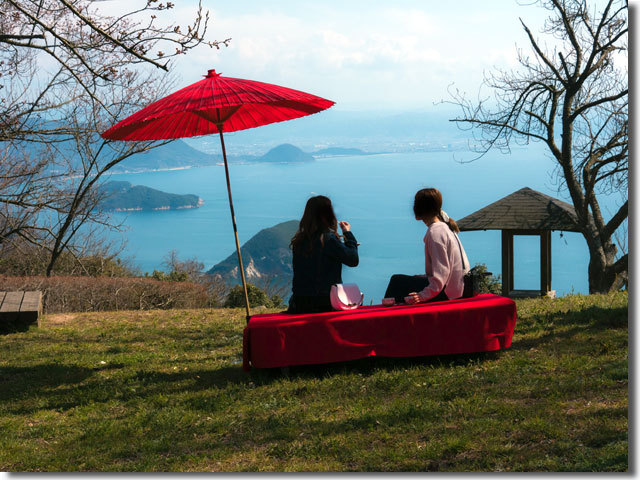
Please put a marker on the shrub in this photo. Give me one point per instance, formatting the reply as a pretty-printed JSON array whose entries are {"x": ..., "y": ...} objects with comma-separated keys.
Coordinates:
[
  {"x": 277, "y": 301},
  {"x": 172, "y": 276},
  {"x": 489, "y": 283},
  {"x": 90, "y": 294},
  {"x": 179, "y": 270},
  {"x": 257, "y": 297}
]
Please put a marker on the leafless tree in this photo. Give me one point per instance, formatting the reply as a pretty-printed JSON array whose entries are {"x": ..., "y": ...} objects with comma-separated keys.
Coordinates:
[
  {"x": 67, "y": 72},
  {"x": 191, "y": 268},
  {"x": 571, "y": 93}
]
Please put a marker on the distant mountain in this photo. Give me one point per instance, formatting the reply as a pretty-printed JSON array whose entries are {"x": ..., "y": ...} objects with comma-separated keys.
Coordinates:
[
  {"x": 336, "y": 151},
  {"x": 286, "y": 153},
  {"x": 266, "y": 254},
  {"x": 122, "y": 196},
  {"x": 176, "y": 154}
]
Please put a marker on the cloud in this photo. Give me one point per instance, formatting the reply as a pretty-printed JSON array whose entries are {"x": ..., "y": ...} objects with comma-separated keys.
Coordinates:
[{"x": 358, "y": 54}]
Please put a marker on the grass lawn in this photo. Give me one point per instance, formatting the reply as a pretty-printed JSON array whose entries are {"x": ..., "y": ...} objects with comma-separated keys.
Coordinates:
[{"x": 164, "y": 391}]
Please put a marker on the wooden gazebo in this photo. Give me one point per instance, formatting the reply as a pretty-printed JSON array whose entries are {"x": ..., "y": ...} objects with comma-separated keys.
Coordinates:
[{"x": 525, "y": 212}]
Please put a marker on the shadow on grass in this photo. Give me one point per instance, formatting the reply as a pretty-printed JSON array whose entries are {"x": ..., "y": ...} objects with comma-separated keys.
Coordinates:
[
  {"x": 560, "y": 325},
  {"x": 14, "y": 326},
  {"x": 24, "y": 382},
  {"x": 371, "y": 365},
  {"x": 62, "y": 387}
]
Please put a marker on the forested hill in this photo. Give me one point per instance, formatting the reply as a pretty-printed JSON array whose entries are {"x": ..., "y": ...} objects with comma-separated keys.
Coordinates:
[
  {"x": 176, "y": 154},
  {"x": 123, "y": 196},
  {"x": 266, "y": 254}
]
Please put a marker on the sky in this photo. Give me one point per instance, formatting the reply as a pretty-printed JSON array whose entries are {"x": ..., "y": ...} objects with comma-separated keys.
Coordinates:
[{"x": 364, "y": 55}]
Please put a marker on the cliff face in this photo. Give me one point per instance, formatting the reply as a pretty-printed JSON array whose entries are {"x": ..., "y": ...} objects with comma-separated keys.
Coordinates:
[
  {"x": 122, "y": 196},
  {"x": 265, "y": 256}
]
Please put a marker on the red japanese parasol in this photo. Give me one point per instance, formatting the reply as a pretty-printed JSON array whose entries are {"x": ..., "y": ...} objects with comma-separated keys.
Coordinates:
[{"x": 215, "y": 105}]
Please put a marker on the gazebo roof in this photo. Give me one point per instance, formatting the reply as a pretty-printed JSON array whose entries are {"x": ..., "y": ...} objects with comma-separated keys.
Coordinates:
[{"x": 525, "y": 209}]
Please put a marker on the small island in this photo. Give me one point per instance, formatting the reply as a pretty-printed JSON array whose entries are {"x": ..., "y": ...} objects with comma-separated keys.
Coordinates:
[
  {"x": 120, "y": 196},
  {"x": 286, "y": 153}
]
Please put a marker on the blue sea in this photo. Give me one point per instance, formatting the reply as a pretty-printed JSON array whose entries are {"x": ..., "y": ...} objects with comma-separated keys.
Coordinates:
[{"x": 375, "y": 194}]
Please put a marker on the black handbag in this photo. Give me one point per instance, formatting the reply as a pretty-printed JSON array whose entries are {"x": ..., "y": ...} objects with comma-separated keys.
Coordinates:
[{"x": 472, "y": 279}]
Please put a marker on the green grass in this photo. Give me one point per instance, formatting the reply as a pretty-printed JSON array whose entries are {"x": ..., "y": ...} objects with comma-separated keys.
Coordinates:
[{"x": 164, "y": 391}]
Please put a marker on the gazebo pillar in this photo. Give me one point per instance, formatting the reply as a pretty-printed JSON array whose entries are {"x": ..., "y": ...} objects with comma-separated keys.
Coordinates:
[
  {"x": 545, "y": 262},
  {"x": 508, "y": 289},
  {"x": 507, "y": 262}
]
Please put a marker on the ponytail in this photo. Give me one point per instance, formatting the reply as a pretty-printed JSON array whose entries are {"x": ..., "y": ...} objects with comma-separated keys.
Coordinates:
[
  {"x": 449, "y": 221},
  {"x": 453, "y": 226}
]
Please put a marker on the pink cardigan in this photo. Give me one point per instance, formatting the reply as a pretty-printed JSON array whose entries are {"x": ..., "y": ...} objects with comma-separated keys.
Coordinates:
[{"x": 443, "y": 263}]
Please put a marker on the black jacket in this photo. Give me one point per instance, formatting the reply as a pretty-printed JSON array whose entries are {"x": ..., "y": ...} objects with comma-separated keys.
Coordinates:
[{"x": 315, "y": 272}]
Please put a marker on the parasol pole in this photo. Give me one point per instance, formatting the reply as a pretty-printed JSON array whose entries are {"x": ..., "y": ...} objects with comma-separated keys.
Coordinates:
[{"x": 233, "y": 220}]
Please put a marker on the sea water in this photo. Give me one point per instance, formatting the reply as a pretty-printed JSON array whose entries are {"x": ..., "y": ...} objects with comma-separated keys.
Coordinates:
[{"x": 375, "y": 194}]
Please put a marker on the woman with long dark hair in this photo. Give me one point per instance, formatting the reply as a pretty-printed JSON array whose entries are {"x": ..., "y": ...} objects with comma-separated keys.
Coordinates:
[
  {"x": 318, "y": 256},
  {"x": 445, "y": 260}
]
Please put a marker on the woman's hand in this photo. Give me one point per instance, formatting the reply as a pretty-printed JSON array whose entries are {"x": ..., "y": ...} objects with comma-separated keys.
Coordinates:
[
  {"x": 412, "y": 298},
  {"x": 345, "y": 226}
]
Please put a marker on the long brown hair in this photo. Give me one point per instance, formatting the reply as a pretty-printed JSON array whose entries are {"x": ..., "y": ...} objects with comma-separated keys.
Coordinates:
[
  {"x": 318, "y": 218},
  {"x": 428, "y": 203}
]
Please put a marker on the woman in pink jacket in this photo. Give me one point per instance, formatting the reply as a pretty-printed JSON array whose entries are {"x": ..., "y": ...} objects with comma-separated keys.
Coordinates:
[{"x": 445, "y": 260}]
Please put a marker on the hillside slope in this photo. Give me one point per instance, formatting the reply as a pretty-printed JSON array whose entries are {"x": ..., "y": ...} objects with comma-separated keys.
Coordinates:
[{"x": 266, "y": 254}]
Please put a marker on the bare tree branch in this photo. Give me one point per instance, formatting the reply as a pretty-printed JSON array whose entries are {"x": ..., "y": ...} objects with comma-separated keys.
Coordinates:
[
  {"x": 52, "y": 159},
  {"x": 581, "y": 103}
]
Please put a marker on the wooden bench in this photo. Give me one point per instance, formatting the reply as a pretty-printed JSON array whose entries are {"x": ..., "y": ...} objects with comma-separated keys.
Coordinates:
[{"x": 18, "y": 310}]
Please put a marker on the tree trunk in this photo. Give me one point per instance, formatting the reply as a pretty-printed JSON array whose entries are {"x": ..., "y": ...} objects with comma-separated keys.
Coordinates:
[{"x": 603, "y": 274}]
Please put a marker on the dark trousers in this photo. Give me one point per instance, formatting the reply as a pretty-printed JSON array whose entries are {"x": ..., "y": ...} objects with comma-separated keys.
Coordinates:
[
  {"x": 309, "y": 304},
  {"x": 402, "y": 285}
]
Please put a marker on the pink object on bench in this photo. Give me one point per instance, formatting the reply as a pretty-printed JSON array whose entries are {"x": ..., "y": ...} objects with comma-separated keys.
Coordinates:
[{"x": 479, "y": 324}]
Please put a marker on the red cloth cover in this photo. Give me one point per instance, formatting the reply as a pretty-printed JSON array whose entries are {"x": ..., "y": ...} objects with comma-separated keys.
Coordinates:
[{"x": 479, "y": 324}]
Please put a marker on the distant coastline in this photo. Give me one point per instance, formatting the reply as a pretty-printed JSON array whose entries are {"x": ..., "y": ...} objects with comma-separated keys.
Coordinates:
[
  {"x": 160, "y": 169},
  {"x": 164, "y": 207},
  {"x": 179, "y": 156}
]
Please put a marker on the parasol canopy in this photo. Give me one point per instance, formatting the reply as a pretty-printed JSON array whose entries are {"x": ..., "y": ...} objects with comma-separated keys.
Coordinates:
[{"x": 217, "y": 104}]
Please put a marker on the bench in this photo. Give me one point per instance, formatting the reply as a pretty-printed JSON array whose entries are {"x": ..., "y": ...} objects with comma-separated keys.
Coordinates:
[
  {"x": 18, "y": 310},
  {"x": 479, "y": 324}
]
